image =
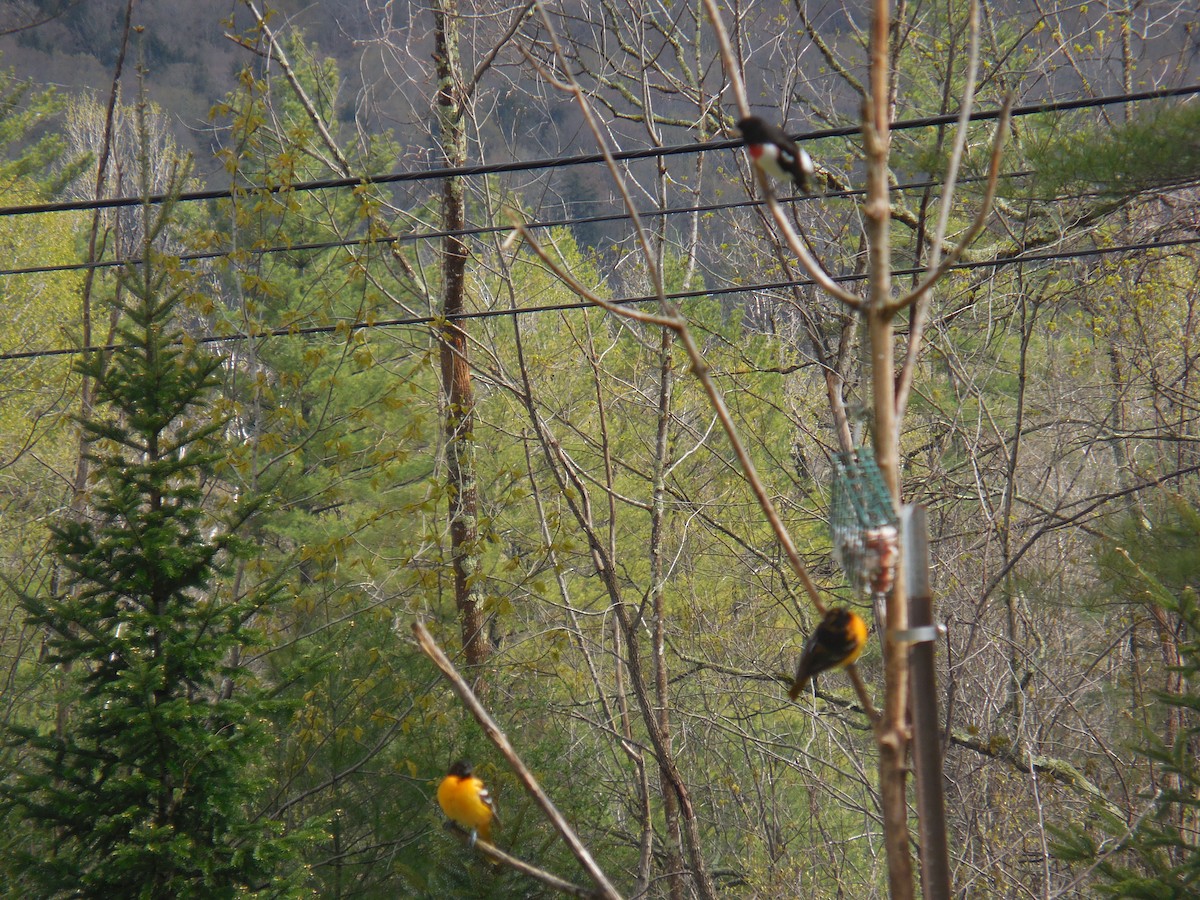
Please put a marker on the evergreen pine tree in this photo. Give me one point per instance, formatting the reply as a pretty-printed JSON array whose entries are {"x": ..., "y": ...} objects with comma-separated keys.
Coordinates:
[
  {"x": 142, "y": 785},
  {"x": 1158, "y": 856}
]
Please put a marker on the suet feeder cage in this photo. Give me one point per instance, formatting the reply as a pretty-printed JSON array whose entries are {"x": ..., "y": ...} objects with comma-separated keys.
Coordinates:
[{"x": 862, "y": 522}]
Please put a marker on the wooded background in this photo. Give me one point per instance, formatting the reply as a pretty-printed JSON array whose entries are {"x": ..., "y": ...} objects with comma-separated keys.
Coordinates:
[{"x": 435, "y": 427}]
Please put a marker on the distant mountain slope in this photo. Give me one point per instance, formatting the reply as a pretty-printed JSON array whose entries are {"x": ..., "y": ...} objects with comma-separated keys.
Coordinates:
[{"x": 189, "y": 60}]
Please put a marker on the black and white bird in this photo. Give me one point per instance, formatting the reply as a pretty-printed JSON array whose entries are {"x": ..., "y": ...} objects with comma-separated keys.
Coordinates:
[{"x": 776, "y": 153}]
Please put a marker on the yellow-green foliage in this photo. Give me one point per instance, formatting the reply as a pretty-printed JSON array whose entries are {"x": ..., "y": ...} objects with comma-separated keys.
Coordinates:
[{"x": 37, "y": 446}]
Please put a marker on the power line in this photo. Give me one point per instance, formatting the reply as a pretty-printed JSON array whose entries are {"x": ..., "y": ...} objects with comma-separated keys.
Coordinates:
[
  {"x": 760, "y": 287},
  {"x": 479, "y": 230},
  {"x": 580, "y": 159}
]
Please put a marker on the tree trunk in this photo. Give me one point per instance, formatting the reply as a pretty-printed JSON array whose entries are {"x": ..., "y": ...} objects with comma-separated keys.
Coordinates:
[
  {"x": 457, "y": 390},
  {"x": 893, "y": 726}
]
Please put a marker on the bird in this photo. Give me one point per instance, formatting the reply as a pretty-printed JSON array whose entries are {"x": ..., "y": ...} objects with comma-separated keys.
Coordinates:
[
  {"x": 466, "y": 801},
  {"x": 837, "y": 641},
  {"x": 776, "y": 153}
]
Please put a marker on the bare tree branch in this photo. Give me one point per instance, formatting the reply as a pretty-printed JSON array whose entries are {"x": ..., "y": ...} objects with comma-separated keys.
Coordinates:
[{"x": 471, "y": 702}]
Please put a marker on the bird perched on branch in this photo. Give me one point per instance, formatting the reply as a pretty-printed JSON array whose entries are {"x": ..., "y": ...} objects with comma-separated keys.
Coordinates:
[
  {"x": 466, "y": 801},
  {"x": 776, "y": 153},
  {"x": 837, "y": 641}
]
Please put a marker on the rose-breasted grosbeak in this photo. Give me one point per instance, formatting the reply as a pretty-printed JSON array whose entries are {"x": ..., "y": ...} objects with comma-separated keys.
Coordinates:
[{"x": 776, "y": 153}]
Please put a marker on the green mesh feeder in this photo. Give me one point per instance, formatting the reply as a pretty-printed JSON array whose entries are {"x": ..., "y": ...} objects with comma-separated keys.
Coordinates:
[{"x": 862, "y": 522}]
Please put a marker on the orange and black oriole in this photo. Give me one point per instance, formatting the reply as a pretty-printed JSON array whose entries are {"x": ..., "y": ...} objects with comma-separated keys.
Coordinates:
[
  {"x": 837, "y": 641},
  {"x": 465, "y": 800}
]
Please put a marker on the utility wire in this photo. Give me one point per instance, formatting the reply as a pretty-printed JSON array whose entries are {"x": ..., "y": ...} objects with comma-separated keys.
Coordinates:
[
  {"x": 581, "y": 159},
  {"x": 478, "y": 230},
  {"x": 760, "y": 287}
]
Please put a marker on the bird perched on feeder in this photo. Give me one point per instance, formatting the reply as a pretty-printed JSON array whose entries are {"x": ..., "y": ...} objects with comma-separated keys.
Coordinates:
[
  {"x": 776, "y": 153},
  {"x": 466, "y": 801},
  {"x": 837, "y": 641}
]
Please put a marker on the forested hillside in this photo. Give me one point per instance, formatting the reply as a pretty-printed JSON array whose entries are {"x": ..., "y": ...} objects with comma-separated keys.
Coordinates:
[{"x": 328, "y": 324}]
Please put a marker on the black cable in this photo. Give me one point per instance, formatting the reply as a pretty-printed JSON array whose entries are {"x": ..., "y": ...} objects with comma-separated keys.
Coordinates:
[
  {"x": 625, "y": 301},
  {"x": 581, "y": 159},
  {"x": 485, "y": 229}
]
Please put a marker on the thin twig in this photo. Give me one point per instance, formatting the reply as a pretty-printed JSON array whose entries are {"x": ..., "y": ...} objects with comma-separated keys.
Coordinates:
[
  {"x": 494, "y": 853},
  {"x": 467, "y": 696},
  {"x": 823, "y": 280},
  {"x": 920, "y": 313},
  {"x": 571, "y": 86},
  {"x": 488, "y": 58},
  {"x": 981, "y": 217},
  {"x": 960, "y": 138},
  {"x": 717, "y": 401},
  {"x": 671, "y": 321},
  {"x": 810, "y": 264},
  {"x": 814, "y": 269},
  {"x": 276, "y": 53},
  {"x": 314, "y": 116},
  {"x": 1116, "y": 847},
  {"x": 671, "y": 317}
]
